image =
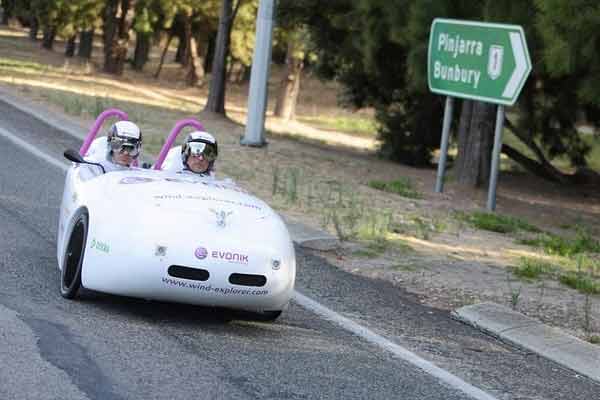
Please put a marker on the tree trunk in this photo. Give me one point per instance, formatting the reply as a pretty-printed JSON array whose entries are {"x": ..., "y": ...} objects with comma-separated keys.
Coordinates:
[
  {"x": 216, "y": 94},
  {"x": 182, "y": 50},
  {"x": 48, "y": 38},
  {"x": 8, "y": 7},
  {"x": 34, "y": 27},
  {"x": 475, "y": 141},
  {"x": 114, "y": 61},
  {"x": 464, "y": 126},
  {"x": 162, "y": 56},
  {"x": 70, "y": 46},
  {"x": 290, "y": 85},
  {"x": 142, "y": 50},
  {"x": 237, "y": 72},
  {"x": 86, "y": 41},
  {"x": 202, "y": 40},
  {"x": 109, "y": 28},
  {"x": 195, "y": 69},
  {"x": 209, "y": 55},
  {"x": 179, "y": 27}
]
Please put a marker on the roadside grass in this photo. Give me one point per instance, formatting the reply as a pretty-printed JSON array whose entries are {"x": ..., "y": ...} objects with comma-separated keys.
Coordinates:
[
  {"x": 403, "y": 186},
  {"x": 580, "y": 273},
  {"x": 580, "y": 282},
  {"x": 372, "y": 249},
  {"x": 346, "y": 211},
  {"x": 20, "y": 66},
  {"x": 553, "y": 244},
  {"x": 358, "y": 126},
  {"x": 533, "y": 268},
  {"x": 495, "y": 222}
]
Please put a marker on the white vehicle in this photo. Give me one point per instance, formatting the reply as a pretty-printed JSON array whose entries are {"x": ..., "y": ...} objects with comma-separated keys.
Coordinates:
[{"x": 169, "y": 236}]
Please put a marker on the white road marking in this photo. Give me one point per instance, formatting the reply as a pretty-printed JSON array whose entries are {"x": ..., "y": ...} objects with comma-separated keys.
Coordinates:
[
  {"x": 397, "y": 350},
  {"x": 26, "y": 146},
  {"x": 319, "y": 309}
]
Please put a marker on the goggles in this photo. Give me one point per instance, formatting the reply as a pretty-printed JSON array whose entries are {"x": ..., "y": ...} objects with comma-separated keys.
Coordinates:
[
  {"x": 205, "y": 150},
  {"x": 129, "y": 146}
]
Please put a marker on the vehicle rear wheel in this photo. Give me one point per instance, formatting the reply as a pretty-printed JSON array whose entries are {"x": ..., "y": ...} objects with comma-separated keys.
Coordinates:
[{"x": 70, "y": 276}]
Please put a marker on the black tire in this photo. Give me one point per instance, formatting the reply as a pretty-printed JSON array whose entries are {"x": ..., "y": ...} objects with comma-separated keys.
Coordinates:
[
  {"x": 70, "y": 276},
  {"x": 267, "y": 316}
]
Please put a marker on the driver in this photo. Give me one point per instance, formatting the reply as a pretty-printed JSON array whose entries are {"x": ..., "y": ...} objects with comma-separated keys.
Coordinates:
[
  {"x": 199, "y": 153},
  {"x": 124, "y": 145}
]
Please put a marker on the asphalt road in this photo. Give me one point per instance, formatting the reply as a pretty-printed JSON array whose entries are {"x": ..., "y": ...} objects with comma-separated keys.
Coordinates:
[{"x": 106, "y": 347}]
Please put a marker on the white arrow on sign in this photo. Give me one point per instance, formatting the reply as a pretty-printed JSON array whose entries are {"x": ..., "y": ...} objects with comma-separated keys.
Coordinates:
[{"x": 520, "y": 70}]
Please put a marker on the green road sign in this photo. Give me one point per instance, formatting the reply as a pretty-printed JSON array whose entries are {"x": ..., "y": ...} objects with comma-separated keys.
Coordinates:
[{"x": 477, "y": 60}]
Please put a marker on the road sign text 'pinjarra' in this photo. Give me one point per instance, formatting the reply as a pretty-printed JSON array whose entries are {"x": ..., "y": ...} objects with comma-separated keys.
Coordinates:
[{"x": 456, "y": 46}]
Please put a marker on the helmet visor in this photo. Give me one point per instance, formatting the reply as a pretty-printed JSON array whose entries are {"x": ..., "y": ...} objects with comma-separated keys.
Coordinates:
[
  {"x": 129, "y": 146},
  {"x": 206, "y": 150}
]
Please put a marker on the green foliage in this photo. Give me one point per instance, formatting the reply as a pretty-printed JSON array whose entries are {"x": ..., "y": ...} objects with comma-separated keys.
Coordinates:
[
  {"x": 403, "y": 186},
  {"x": 557, "y": 245},
  {"x": 497, "y": 222},
  {"x": 532, "y": 268},
  {"x": 582, "y": 283},
  {"x": 243, "y": 32}
]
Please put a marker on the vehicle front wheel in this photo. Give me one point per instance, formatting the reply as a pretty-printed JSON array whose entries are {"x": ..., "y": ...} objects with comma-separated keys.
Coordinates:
[
  {"x": 70, "y": 276},
  {"x": 267, "y": 316}
]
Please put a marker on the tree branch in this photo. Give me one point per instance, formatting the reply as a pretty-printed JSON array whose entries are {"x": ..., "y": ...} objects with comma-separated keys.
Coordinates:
[{"x": 542, "y": 167}]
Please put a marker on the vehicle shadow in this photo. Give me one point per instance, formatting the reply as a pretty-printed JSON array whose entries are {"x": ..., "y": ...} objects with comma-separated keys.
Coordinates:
[{"x": 164, "y": 312}]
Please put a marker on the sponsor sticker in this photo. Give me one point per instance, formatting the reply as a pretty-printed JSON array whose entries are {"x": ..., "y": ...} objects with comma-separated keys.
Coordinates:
[
  {"x": 230, "y": 256},
  {"x": 200, "y": 253},
  {"x": 214, "y": 289},
  {"x": 239, "y": 258},
  {"x": 205, "y": 198},
  {"x": 100, "y": 246},
  {"x": 132, "y": 180}
]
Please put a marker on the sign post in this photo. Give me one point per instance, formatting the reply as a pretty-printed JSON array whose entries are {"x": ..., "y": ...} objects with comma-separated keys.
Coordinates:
[{"x": 477, "y": 61}]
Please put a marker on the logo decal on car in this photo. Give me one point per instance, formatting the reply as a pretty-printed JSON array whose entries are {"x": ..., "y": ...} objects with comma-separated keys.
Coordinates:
[
  {"x": 230, "y": 256},
  {"x": 221, "y": 217},
  {"x": 201, "y": 253},
  {"x": 100, "y": 246},
  {"x": 160, "y": 251}
]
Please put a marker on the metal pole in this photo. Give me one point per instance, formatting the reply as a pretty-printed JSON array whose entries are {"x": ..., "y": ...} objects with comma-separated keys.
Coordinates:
[
  {"x": 439, "y": 184},
  {"x": 491, "y": 202},
  {"x": 261, "y": 61}
]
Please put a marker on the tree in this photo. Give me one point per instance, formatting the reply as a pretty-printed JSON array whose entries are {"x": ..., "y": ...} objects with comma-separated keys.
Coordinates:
[
  {"x": 8, "y": 10},
  {"x": 216, "y": 94},
  {"x": 23, "y": 10},
  {"x": 147, "y": 21},
  {"x": 116, "y": 34},
  {"x": 365, "y": 46},
  {"x": 295, "y": 36}
]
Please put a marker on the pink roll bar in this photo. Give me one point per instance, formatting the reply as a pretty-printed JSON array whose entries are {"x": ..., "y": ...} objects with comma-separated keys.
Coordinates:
[
  {"x": 96, "y": 127},
  {"x": 179, "y": 125}
]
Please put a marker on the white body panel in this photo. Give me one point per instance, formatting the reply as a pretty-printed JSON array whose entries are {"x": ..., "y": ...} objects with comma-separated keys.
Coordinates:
[{"x": 141, "y": 222}]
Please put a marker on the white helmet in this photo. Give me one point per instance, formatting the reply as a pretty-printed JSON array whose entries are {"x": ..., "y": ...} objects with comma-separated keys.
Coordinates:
[
  {"x": 124, "y": 136},
  {"x": 200, "y": 143}
]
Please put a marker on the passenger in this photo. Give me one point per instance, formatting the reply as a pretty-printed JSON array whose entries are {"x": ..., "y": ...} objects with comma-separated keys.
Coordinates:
[
  {"x": 199, "y": 153},
  {"x": 124, "y": 145}
]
